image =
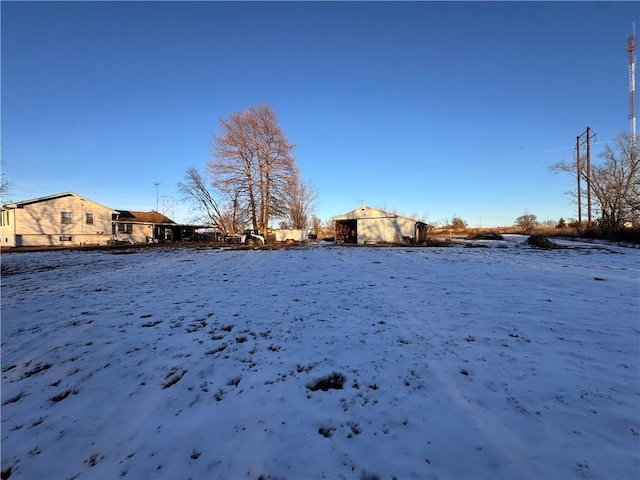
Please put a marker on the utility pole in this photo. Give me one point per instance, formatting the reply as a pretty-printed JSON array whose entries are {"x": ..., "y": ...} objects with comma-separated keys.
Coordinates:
[
  {"x": 156, "y": 184},
  {"x": 588, "y": 181},
  {"x": 590, "y": 134},
  {"x": 631, "y": 62},
  {"x": 584, "y": 138},
  {"x": 578, "y": 173}
]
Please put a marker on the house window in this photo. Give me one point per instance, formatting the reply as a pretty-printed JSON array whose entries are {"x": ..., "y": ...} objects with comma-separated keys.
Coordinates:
[
  {"x": 89, "y": 218},
  {"x": 125, "y": 228},
  {"x": 66, "y": 239},
  {"x": 66, "y": 217}
]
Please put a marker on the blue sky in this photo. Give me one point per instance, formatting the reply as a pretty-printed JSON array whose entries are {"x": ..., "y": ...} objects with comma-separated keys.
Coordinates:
[{"x": 429, "y": 108}]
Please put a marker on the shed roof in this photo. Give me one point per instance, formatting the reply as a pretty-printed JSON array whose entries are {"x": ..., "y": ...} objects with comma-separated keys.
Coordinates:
[
  {"x": 365, "y": 212},
  {"x": 130, "y": 216}
]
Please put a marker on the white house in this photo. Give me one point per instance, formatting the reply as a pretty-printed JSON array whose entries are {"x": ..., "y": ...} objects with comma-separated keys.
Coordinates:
[
  {"x": 56, "y": 220},
  {"x": 371, "y": 225}
]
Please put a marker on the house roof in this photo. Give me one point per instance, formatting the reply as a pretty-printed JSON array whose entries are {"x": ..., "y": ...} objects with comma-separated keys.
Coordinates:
[
  {"x": 370, "y": 213},
  {"x": 129, "y": 216},
  {"x": 31, "y": 201}
]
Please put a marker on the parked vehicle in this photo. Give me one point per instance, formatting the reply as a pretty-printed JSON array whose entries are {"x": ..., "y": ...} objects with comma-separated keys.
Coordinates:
[{"x": 248, "y": 237}]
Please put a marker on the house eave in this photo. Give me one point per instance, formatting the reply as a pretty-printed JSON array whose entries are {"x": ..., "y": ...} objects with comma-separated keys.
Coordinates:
[{"x": 31, "y": 201}]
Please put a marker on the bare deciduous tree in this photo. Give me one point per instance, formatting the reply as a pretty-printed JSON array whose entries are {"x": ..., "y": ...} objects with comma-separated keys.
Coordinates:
[
  {"x": 458, "y": 224},
  {"x": 229, "y": 217},
  {"x": 302, "y": 195},
  {"x": 194, "y": 189},
  {"x": 316, "y": 224},
  {"x": 527, "y": 222},
  {"x": 615, "y": 183},
  {"x": 254, "y": 163},
  {"x": 4, "y": 185}
]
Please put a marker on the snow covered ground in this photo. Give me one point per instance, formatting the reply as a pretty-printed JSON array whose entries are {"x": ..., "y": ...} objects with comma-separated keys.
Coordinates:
[{"x": 500, "y": 362}]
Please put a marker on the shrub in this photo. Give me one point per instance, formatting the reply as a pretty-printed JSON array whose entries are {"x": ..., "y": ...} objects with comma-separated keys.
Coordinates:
[{"x": 540, "y": 241}]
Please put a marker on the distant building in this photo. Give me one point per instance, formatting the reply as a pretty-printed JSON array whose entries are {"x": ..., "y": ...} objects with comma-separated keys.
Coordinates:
[
  {"x": 370, "y": 225},
  {"x": 143, "y": 227},
  {"x": 68, "y": 219},
  {"x": 55, "y": 220}
]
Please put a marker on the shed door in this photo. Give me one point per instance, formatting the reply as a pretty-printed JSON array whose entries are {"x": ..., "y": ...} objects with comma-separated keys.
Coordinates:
[{"x": 347, "y": 231}]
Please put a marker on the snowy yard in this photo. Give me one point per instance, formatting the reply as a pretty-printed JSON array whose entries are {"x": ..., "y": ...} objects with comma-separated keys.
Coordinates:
[{"x": 500, "y": 363}]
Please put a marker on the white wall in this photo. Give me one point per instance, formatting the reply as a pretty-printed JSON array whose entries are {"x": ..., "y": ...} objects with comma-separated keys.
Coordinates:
[
  {"x": 298, "y": 235},
  {"x": 40, "y": 224},
  {"x": 384, "y": 230},
  {"x": 7, "y": 228},
  {"x": 141, "y": 233}
]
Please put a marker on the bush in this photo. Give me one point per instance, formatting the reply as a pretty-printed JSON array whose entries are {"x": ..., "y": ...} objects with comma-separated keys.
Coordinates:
[{"x": 540, "y": 241}]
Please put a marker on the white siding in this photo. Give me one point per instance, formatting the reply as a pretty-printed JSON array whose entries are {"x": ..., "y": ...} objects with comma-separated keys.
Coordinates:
[
  {"x": 298, "y": 235},
  {"x": 377, "y": 226},
  {"x": 8, "y": 234},
  {"x": 40, "y": 223},
  {"x": 384, "y": 230},
  {"x": 140, "y": 233}
]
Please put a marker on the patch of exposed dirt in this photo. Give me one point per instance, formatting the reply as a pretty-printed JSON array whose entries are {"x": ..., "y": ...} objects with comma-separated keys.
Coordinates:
[
  {"x": 486, "y": 236},
  {"x": 334, "y": 381},
  {"x": 540, "y": 241}
]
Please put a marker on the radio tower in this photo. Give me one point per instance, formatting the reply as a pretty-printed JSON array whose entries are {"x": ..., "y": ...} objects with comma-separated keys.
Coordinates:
[{"x": 631, "y": 48}]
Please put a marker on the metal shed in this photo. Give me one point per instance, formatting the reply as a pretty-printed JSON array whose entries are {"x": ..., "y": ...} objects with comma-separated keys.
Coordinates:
[{"x": 367, "y": 225}]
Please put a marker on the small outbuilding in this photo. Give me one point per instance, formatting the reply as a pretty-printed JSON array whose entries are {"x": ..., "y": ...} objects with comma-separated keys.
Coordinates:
[
  {"x": 367, "y": 225},
  {"x": 143, "y": 227}
]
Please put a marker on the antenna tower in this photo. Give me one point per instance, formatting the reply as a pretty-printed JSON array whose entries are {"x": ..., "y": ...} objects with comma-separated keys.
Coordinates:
[
  {"x": 168, "y": 206},
  {"x": 631, "y": 48}
]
